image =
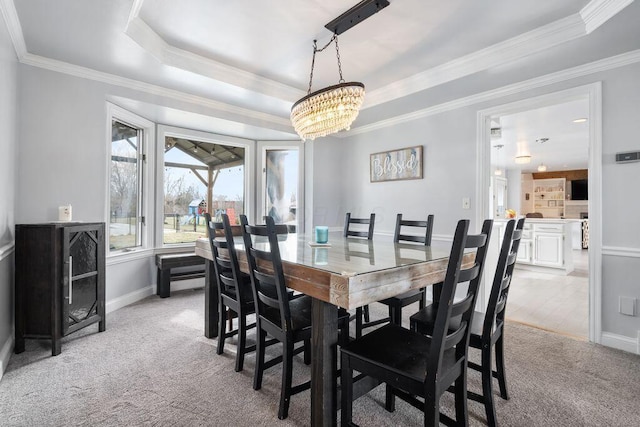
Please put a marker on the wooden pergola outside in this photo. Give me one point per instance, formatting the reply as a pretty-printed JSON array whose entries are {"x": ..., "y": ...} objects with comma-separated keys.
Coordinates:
[{"x": 215, "y": 158}]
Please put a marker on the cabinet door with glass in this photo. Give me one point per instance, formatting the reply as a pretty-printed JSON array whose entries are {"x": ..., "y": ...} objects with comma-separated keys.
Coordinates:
[{"x": 83, "y": 277}]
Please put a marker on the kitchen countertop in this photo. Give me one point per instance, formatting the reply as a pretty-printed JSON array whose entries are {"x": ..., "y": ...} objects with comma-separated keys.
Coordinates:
[{"x": 543, "y": 220}]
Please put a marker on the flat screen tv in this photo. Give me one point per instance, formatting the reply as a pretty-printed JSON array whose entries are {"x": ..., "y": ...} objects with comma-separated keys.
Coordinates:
[{"x": 579, "y": 189}]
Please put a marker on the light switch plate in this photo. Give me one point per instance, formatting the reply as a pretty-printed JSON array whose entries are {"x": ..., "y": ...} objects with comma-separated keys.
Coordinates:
[{"x": 627, "y": 306}]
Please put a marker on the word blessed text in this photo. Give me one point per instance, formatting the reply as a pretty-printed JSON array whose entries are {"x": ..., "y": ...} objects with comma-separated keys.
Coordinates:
[{"x": 396, "y": 166}]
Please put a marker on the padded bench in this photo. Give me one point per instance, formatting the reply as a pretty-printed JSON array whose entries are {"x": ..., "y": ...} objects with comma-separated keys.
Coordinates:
[{"x": 165, "y": 264}]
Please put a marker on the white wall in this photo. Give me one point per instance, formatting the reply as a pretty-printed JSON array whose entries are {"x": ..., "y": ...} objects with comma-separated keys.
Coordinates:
[
  {"x": 514, "y": 190},
  {"x": 449, "y": 139},
  {"x": 8, "y": 143}
]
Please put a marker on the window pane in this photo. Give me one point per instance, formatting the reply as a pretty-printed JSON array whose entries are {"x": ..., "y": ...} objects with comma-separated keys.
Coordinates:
[
  {"x": 125, "y": 185},
  {"x": 191, "y": 168},
  {"x": 282, "y": 185}
]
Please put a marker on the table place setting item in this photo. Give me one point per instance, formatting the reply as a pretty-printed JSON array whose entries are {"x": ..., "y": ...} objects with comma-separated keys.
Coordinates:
[{"x": 322, "y": 237}]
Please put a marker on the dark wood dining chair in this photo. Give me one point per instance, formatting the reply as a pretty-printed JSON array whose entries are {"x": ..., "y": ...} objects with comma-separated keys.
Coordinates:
[
  {"x": 278, "y": 313},
  {"x": 417, "y": 368},
  {"x": 234, "y": 288},
  {"x": 397, "y": 302},
  {"x": 351, "y": 232},
  {"x": 362, "y": 316},
  {"x": 487, "y": 329}
]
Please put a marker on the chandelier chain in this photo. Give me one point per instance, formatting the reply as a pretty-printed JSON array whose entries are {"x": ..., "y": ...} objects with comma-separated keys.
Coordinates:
[
  {"x": 338, "y": 56},
  {"x": 313, "y": 59}
]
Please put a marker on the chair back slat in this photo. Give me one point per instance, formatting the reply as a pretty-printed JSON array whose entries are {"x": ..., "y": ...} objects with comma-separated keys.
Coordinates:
[
  {"x": 223, "y": 262},
  {"x": 348, "y": 232},
  {"x": 262, "y": 255},
  {"x": 267, "y": 277},
  {"x": 424, "y": 237},
  {"x": 469, "y": 274},
  {"x": 459, "y": 307},
  {"x": 229, "y": 282},
  {"x": 502, "y": 303},
  {"x": 453, "y": 338},
  {"x": 475, "y": 241},
  {"x": 496, "y": 306}
]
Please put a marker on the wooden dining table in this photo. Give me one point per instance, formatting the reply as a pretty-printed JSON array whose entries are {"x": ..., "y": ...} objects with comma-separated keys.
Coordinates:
[{"x": 348, "y": 273}]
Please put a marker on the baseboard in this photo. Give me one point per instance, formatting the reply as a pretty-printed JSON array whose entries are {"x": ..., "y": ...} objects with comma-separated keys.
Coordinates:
[
  {"x": 5, "y": 354},
  {"x": 139, "y": 294},
  {"x": 130, "y": 298},
  {"x": 620, "y": 342},
  {"x": 181, "y": 285}
]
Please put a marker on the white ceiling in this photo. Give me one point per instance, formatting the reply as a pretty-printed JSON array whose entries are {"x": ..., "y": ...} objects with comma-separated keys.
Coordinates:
[
  {"x": 567, "y": 147},
  {"x": 246, "y": 62}
]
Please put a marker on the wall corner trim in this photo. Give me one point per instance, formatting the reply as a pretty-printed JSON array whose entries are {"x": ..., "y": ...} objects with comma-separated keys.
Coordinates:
[{"x": 7, "y": 250}]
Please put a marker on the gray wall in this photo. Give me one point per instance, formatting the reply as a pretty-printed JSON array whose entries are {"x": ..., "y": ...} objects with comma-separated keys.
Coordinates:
[
  {"x": 8, "y": 143},
  {"x": 449, "y": 139},
  {"x": 62, "y": 159},
  {"x": 448, "y": 169}
]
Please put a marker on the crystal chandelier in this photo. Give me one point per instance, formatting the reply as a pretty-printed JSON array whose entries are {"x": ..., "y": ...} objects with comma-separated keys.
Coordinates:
[{"x": 327, "y": 110}]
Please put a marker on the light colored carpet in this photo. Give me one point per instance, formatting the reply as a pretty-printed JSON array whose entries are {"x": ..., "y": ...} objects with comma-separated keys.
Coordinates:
[{"x": 153, "y": 367}]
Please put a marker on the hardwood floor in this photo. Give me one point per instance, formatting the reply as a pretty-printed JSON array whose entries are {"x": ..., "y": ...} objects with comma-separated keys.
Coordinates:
[{"x": 553, "y": 302}]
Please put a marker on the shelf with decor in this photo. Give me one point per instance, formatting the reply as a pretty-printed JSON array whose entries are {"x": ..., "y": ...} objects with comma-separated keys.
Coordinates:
[{"x": 549, "y": 197}]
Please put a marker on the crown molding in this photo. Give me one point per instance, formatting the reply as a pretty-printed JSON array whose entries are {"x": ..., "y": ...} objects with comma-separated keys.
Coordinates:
[
  {"x": 597, "y": 12},
  {"x": 534, "y": 41},
  {"x": 282, "y": 123},
  {"x": 149, "y": 40},
  {"x": 594, "y": 14},
  {"x": 10, "y": 15},
  {"x": 610, "y": 63}
]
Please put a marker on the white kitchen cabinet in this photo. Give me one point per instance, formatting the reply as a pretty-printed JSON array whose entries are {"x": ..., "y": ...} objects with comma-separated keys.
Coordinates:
[
  {"x": 524, "y": 251},
  {"x": 546, "y": 245},
  {"x": 548, "y": 249}
]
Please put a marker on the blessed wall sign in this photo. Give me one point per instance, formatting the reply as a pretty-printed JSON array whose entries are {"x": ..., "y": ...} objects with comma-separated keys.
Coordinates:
[{"x": 405, "y": 163}]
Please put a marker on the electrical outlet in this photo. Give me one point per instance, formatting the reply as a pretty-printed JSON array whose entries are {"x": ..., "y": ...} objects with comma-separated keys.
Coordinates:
[
  {"x": 627, "y": 306},
  {"x": 466, "y": 203}
]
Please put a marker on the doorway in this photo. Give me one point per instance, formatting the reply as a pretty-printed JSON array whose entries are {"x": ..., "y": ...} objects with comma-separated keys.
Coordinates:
[{"x": 536, "y": 306}]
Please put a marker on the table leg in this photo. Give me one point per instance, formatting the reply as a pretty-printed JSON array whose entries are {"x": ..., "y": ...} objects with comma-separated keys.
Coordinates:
[
  {"x": 210, "y": 302},
  {"x": 164, "y": 283},
  {"x": 324, "y": 343}
]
